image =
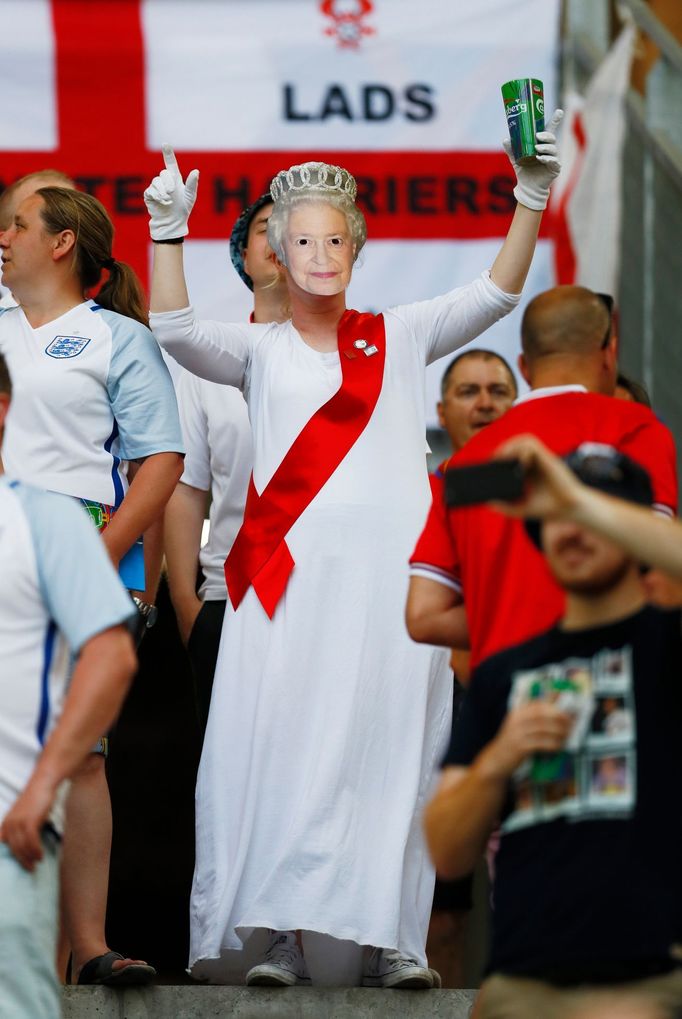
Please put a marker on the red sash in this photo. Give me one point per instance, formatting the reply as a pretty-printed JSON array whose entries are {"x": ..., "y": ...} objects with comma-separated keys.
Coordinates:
[{"x": 259, "y": 555}]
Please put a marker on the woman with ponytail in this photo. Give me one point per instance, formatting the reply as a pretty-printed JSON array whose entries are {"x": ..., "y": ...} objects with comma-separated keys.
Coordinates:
[
  {"x": 92, "y": 389},
  {"x": 91, "y": 395},
  {"x": 66, "y": 209}
]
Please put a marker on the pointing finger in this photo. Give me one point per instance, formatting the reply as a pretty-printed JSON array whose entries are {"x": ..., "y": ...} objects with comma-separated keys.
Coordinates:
[{"x": 169, "y": 158}]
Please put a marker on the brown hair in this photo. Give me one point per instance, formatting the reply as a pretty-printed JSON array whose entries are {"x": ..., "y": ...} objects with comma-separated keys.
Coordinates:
[
  {"x": 636, "y": 390},
  {"x": 64, "y": 209}
]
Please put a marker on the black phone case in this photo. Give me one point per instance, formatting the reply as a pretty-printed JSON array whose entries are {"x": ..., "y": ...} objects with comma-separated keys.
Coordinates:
[{"x": 495, "y": 480}]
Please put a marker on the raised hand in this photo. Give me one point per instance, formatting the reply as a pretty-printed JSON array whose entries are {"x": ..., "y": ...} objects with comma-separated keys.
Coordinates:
[
  {"x": 170, "y": 200},
  {"x": 535, "y": 179}
]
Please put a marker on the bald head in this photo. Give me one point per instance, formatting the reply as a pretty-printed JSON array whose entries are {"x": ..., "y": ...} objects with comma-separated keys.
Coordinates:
[
  {"x": 12, "y": 197},
  {"x": 568, "y": 321}
]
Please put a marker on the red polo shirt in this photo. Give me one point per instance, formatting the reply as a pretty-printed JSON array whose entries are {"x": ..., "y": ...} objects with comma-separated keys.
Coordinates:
[{"x": 508, "y": 590}]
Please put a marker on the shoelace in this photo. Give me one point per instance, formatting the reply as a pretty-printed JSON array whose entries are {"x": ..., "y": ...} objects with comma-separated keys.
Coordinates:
[
  {"x": 395, "y": 960},
  {"x": 283, "y": 950}
]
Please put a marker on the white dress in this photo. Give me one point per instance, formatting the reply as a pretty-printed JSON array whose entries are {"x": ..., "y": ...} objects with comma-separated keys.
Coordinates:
[{"x": 327, "y": 721}]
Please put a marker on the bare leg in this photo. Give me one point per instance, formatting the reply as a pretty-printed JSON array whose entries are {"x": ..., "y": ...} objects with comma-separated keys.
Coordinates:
[
  {"x": 63, "y": 946},
  {"x": 85, "y": 866},
  {"x": 445, "y": 945}
]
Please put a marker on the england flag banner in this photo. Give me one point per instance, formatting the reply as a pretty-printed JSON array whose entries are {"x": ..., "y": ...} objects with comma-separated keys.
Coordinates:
[{"x": 404, "y": 94}]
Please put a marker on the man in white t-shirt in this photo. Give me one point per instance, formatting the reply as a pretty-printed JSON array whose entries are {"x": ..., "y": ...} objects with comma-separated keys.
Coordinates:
[
  {"x": 217, "y": 437},
  {"x": 59, "y": 597}
]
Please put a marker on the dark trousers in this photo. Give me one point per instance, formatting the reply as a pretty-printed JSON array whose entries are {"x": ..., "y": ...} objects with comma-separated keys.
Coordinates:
[{"x": 202, "y": 648}]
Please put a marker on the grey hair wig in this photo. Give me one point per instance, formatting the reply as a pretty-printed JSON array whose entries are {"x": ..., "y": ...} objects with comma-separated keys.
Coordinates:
[{"x": 279, "y": 219}]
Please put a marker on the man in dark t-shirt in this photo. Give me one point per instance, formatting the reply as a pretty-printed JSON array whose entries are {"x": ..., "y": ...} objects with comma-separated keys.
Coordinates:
[{"x": 571, "y": 741}]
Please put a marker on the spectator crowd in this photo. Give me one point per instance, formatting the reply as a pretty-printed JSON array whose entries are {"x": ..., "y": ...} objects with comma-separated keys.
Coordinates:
[{"x": 393, "y": 674}]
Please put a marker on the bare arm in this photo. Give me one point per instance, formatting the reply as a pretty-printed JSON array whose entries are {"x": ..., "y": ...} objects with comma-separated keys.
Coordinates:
[
  {"x": 153, "y": 562},
  {"x": 435, "y": 614},
  {"x": 144, "y": 503},
  {"x": 183, "y": 522},
  {"x": 460, "y": 817},
  {"x": 554, "y": 492},
  {"x": 468, "y": 802},
  {"x": 649, "y": 537},
  {"x": 101, "y": 679},
  {"x": 153, "y": 550},
  {"x": 468, "y": 311},
  {"x": 510, "y": 268}
]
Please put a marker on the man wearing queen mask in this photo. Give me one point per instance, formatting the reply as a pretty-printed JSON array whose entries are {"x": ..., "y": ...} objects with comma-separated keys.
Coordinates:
[{"x": 326, "y": 721}]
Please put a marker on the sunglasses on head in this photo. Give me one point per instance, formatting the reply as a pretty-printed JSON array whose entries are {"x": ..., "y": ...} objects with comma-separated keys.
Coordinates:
[{"x": 608, "y": 469}]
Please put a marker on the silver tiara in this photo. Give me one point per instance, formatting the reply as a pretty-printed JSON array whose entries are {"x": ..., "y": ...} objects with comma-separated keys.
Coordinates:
[{"x": 314, "y": 177}]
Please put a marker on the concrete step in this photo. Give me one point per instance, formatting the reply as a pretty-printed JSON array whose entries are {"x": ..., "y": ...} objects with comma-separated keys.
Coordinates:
[{"x": 174, "y": 1002}]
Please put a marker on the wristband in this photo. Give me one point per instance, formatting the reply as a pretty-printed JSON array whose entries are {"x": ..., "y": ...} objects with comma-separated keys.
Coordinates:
[
  {"x": 170, "y": 240},
  {"x": 142, "y": 621},
  {"x": 148, "y": 612}
]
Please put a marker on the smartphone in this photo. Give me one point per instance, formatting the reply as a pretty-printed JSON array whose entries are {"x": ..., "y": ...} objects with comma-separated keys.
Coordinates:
[{"x": 500, "y": 480}]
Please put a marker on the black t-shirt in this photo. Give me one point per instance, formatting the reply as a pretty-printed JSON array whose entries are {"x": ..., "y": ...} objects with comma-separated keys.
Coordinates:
[{"x": 587, "y": 883}]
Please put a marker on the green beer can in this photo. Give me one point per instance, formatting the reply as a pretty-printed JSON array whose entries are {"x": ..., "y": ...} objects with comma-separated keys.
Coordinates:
[{"x": 524, "y": 106}]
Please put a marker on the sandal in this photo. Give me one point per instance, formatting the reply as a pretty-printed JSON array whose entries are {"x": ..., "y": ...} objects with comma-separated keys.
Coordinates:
[{"x": 100, "y": 970}]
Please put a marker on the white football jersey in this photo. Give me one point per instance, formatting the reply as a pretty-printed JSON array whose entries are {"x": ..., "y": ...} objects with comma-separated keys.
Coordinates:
[{"x": 90, "y": 390}]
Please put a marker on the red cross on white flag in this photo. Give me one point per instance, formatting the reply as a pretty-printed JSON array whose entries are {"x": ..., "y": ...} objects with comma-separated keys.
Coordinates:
[{"x": 405, "y": 94}]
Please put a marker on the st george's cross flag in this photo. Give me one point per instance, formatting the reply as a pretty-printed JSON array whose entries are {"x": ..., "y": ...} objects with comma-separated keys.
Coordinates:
[
  {"x": 405, "y": 94},
  {"x": 586, "y": 198}
]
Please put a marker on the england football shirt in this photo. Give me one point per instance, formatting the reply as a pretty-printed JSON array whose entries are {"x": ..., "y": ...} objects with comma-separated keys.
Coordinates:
[{"x": 90, "y": 390}]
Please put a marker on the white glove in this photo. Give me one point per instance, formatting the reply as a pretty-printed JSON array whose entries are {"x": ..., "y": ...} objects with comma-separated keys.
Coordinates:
[
  {"x": 534, "y": 180},
  {"x": 170, "y": 200}
]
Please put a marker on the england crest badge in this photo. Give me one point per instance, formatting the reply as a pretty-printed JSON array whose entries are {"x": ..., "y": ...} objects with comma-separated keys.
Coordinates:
[{"x": 67, "y": 346}]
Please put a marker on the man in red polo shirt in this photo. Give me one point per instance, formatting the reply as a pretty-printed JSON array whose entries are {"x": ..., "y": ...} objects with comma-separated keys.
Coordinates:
[{"x": 478, "y": 556}]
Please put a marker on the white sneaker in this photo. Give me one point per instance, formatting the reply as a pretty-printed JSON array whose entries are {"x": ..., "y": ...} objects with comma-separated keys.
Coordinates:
[
  {"x": 283, "y": 965},
  {"x": 389, "y": 968}
]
